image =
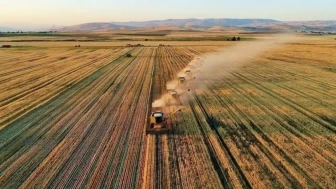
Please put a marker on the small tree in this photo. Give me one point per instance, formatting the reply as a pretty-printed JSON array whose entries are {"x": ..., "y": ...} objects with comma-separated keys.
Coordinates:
[
  {"x": 238, "y": 38},
  {"x": 233, "y": 39}
]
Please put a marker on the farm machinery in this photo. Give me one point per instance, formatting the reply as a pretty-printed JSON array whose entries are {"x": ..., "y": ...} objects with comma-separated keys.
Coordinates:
[
  {"x": 187, "y": 72},
  {"x": 158, "y": 121},
  {"x": 188, "y": 75},
  {"x": 181, "y": 79},
  {"x": 173, "y": 95}
]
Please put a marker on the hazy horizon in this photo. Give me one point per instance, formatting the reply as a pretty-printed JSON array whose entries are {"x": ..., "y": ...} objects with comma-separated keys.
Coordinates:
[{"x": 63, "y": 13}]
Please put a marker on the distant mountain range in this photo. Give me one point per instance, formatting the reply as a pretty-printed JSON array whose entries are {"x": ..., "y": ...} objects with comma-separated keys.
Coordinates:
[
  {"x": 210, "y": 24},
  {"x": 182, "y": 23},
  {"x": 199, "y": 22},
  {"x": 96, "y": 26},
  {"x": 205, "y": 24},
  {"x": 323, "y": 25}
]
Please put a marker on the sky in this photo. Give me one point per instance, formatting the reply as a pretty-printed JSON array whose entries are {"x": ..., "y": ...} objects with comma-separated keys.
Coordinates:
[{"x": 71, "y": 12}]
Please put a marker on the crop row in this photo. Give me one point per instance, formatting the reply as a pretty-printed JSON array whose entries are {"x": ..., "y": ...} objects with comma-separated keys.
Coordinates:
[
  {"x": 45, "y": 78},
  {"x": 82, "y": 136}
]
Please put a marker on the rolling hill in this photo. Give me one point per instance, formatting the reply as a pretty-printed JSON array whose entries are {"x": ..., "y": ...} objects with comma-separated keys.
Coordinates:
[
  {"x": 183, "y": 23},
  {"x": 210, "y": 24},
  {"x": 200, "y": 22},
  {"x": 95, "y": 26}
]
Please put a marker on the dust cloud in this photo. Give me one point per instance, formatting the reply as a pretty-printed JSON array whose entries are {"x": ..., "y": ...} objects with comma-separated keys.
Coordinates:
[
  {"x": 214, "y": 66},
  {"x": 171, "y": 85},
  {"x": 159, "y": 103},
  {"x": 208, "y": 69}
]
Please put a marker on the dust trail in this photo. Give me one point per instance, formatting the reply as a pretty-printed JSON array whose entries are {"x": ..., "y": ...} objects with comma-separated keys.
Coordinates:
[
  {"x": 209, "y": 67},
  {"x": 171, "y": 85},
  {"x": 159, "y": 102},
  {"x": 234, "y": 57}
]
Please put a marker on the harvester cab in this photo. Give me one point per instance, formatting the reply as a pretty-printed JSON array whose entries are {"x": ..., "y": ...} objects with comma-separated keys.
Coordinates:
[{"x": 157, "y": 119}]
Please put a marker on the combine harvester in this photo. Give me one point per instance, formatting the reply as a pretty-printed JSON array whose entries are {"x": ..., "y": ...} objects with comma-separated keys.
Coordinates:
[
  {"x": 158, "y": 121},
  {"x": 188, "y": 71},
  {"x": 181, "y": 79},
  {"x": 173, "y": 97}
]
